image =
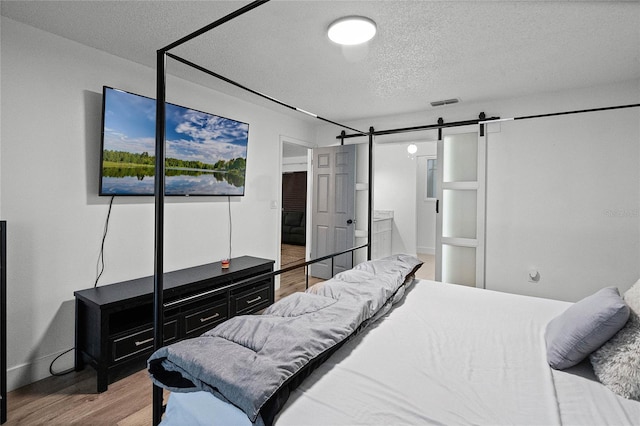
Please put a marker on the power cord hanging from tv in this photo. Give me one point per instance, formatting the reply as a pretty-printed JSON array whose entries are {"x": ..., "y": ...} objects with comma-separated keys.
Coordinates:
[
  {"x": 101, "y": 266},
  {"x": 100, "y": 263},
  {"x": 230, "y": 225}
]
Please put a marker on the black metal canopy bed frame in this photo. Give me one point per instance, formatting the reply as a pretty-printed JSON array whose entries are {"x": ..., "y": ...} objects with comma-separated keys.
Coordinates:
[{"x": 162, "y": 55}]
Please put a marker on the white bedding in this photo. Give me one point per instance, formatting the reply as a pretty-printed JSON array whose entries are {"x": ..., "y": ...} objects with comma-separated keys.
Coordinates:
[{"x": 448, "y": 355}]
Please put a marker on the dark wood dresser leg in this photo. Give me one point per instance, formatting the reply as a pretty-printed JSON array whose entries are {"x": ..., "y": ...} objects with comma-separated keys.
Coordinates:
[{"x": 103, "y": 382}]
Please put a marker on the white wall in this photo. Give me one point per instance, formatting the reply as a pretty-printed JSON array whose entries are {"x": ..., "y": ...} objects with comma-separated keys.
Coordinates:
[
  {"x": 563, "y": 192},
  {"x": 294, "y": 164},
  {"x": 51, "y": 106},
  {"x": 561, "y": 197}
]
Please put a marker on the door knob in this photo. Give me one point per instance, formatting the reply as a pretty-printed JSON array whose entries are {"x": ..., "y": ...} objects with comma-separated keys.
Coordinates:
[{"x": 350, "y": 221}]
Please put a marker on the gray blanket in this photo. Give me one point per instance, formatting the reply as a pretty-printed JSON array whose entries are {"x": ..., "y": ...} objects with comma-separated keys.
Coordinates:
[{"x": 247, "y": 359}]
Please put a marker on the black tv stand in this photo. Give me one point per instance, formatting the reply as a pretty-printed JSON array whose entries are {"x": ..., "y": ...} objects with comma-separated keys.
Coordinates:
[{"x": 114, "y": 323}]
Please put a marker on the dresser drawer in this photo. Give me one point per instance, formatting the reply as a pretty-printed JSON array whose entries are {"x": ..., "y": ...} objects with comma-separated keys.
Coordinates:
[
  {"x": 253, "y": 300},
  {"x": 140, "y": 341},
  {"x": 205, "y": 319}
]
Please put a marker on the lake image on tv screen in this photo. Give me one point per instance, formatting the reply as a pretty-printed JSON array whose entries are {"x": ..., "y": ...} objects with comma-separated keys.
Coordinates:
[{"x": 205, "y": 154}]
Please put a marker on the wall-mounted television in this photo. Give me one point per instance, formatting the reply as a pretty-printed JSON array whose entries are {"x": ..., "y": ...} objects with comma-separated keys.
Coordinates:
[{"x": 205, "y": 154}]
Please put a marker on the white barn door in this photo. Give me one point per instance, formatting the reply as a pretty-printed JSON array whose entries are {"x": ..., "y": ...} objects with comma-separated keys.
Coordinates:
[
  {"x": 333, "y": 208},
  {"x": 460, "y": 222}
]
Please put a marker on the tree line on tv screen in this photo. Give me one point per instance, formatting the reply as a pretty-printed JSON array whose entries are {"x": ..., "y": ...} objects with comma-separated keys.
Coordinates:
[{"x": 121, "y": 158}]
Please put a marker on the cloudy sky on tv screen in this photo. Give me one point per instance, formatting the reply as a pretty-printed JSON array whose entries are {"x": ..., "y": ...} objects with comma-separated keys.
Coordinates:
[{"x": 206, "y": 154}]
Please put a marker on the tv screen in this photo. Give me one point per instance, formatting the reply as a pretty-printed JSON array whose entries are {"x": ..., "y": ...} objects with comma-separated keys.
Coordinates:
[{"x": 205, "y": 154}]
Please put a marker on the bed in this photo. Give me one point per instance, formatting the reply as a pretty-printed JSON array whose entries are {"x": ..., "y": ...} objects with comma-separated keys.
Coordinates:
[{"x": 444, "y": 354}]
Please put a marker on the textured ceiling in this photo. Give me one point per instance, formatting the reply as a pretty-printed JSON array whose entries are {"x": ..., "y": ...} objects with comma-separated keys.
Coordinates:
[{"x": 424, "y": 50}]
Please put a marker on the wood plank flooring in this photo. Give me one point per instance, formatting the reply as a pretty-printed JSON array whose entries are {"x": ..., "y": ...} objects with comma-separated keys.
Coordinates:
[
  {"x": 72, "y": 400},
  {"x": 293, "y": 281}
]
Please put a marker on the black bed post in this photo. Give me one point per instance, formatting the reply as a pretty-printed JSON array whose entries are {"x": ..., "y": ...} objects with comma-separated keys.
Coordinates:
[
  {"x": 370, "y": 201},
  {"x": 158, "y": 285}
]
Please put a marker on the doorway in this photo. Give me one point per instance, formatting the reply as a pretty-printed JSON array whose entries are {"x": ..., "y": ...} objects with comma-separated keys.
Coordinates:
[
  {"x": 293, "y": 237},
  {"x": 426, "y": 198},
  {"x": 294, "y": 221},
  {"x": 398, "y": 187}
]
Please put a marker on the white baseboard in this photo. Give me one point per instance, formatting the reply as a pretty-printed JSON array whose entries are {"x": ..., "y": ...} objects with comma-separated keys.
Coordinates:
[
  {"x": 37, "y": 369},
  {"x": 427, "y": 250}
]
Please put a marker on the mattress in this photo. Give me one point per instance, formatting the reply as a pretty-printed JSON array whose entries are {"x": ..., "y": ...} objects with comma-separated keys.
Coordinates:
[{"x": 446, "y": 354}]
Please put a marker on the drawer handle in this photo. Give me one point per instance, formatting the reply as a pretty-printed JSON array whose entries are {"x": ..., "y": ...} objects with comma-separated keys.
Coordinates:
[
  {"x": 216, "y": 315},
  {"x": 254, "y": 300},
  {"x": 140, "y": 343}
]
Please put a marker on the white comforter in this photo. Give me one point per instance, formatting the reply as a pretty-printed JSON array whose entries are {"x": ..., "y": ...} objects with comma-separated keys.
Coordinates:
[{"x": 447, "y": 355}]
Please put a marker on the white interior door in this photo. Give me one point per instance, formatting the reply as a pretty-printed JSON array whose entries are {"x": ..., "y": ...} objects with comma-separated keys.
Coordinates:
[
  {"x": 460, "y": 220},
  {"x": 333, "y": 208}
]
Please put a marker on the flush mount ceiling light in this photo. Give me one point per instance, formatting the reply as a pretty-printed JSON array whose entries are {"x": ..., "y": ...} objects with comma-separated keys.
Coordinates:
[
  {"x": 352, "y": 30},
  {"x": 412, "y": 149}
]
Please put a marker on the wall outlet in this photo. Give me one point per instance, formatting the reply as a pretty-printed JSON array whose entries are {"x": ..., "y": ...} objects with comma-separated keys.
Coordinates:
[{"x": 534, "y": 276}]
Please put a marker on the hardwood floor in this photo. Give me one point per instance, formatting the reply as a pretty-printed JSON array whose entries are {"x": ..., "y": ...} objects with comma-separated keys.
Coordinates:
[
  {"x": 72, "y": 399},
  {"x": 293, "y": 281}
]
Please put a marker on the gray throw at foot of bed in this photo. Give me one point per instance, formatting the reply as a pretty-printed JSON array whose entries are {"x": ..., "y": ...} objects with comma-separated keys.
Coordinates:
[{"x": 254, "y": 361}]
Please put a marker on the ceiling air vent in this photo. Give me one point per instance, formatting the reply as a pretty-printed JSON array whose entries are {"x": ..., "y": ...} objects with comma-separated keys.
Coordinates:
[{"x": 445, "y": 102}]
